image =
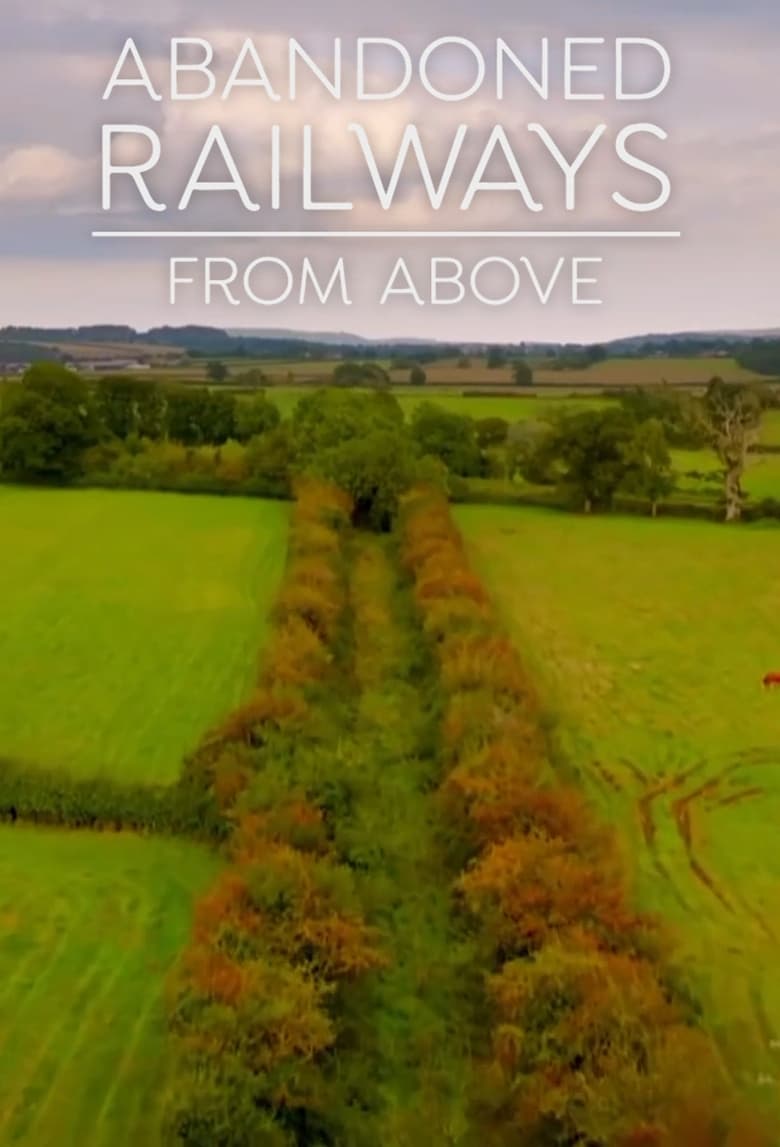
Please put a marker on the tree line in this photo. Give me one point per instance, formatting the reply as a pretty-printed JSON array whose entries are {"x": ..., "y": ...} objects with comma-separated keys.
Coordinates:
[
  {"x": 594, "y": 455},
  {"x": 56, "y": 427},
  {"x": 53, "y": 418}
]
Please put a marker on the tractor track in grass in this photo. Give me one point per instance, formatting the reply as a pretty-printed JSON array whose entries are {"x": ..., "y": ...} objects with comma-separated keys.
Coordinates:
[
  {"x": 740, "y": 797},
  {"x": 82, "y": 965},
  {"x": 682, "y": 800},
  {"x": 682, "y": 811}
]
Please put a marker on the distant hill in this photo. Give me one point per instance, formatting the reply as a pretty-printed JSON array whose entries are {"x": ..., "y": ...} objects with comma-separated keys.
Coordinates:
[
  {"x": 324, "y": 338},
  {"x": 215, "y": 342}
]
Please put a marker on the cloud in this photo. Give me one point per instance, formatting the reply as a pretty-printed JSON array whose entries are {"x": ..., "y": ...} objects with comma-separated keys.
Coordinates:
[
  {"x": 42, "y": 174},
  {"x": 721, "y": 112}
]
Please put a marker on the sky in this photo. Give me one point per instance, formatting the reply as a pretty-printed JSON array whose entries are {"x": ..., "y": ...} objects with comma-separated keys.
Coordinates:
[{"x": 720, "y": 111}]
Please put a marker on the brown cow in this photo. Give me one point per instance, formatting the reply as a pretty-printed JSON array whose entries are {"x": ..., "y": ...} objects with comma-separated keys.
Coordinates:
[{"x": 772, "y": 679}]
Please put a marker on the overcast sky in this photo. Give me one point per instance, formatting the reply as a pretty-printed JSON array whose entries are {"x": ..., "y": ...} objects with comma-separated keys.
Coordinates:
[{"x": 721, "y": 111}]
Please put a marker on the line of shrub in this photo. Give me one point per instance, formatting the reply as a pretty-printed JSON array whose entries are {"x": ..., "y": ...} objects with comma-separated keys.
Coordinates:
[
  {"x": 255, "y": 469},
  {"x": 255, "y": 999},
  {"x": 593, "y": 1037},
  {"x": 189, "y": 484},
  {"x": 52, "y": 797}
]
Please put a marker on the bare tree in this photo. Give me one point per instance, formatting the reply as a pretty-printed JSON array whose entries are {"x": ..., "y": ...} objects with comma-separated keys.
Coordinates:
[{"x": 730, "y": 416}]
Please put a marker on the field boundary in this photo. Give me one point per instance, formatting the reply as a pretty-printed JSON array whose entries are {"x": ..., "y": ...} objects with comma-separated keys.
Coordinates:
[{"x": 49, "y": 797}]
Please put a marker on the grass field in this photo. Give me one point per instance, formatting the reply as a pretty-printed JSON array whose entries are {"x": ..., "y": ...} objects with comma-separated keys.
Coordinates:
[
  {"x": 770, "y": 429},
  {"x": 761, "y": 480},
  {"x": 131, "y": 622},
  {"x": 649, "y": 641},
  {"x": 512, "y": 408},
  {"x": 90, "y": 926}
]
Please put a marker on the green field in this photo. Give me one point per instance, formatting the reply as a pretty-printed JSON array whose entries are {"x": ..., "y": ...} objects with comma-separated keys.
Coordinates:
[
  {"x": 90, "y": 926},
  {"x": 131, "y": 622},
  {"x": 649, "y": 641},
  {"x": 770, "y": 428},
  {"x": 761, "y": 479},
  {"x": 513, "y": 408}
]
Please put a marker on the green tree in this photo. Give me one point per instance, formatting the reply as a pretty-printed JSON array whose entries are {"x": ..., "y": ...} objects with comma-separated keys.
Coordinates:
[
  {"x": 375, "y": 470},
  {"x": 589, "y": 452},
  {"x": 417, "y": 376},
  {"x": 217, "y": 372},
  {"x": 730, "y": 417},
  {"x": 353, "y": 373},
  {"x": 492, "y": 432},
  {"x": 326, "y": 418},
  {"x": 46, "y": 424},
  {"x": 197, "y": 416},
  {"x": 359, "y": 441},
  {"x": 129, "y": 406},
  {"x": 673, "y": 408},
  {"x": 254, "y": 416},
  {"x": 650, "y": 463},
  {"x": 530, "y": 454},
  {"x": 496, "y": 358},
  {"x": 595, "y": 354},
  {"x": 253, "y": 377},
  {"x": 448, "y": 436},
  {"x": 522, "y": 374},
  {"x": 269, "y": 458}
]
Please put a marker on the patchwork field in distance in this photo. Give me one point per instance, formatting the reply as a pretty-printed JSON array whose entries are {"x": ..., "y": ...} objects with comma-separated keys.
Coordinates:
[
  {"x": 694, "y": 370},
  {"x": 131, "y": 622},
  {"x": 90, "y": 926},
  {"x": 649, "y": 641}
]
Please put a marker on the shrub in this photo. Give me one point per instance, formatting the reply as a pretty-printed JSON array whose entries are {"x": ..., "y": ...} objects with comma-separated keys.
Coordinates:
[
  {"x": 50, "y": 797},
  {"x": 253, "y": 1000}
]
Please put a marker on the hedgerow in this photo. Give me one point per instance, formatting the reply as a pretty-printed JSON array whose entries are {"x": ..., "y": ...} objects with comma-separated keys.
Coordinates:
[
  {"x": 52, "y": 797},
  {"x": 254, "y": 1001},
  {"x": 593, "y": 1040}
]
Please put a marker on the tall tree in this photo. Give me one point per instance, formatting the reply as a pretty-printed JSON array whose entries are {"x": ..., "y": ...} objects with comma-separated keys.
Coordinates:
[
  {"x": 128, "y": 406},
  {"x": 351, "y": 373},
  {"x": 197, "y": 416},
  {"x": 326, "y": 418},
  {"x": 590, "y": 453},
  {"x": 46, "y": 424},
  {"x": 217, "y": 372},
  {"x": 448, "y": 436},
  {"x": 650, "y": 463},
  {"x": 730, "y": 416},
  {"x": 522, "y": 374},
  {"x": 254, "y": 416}
]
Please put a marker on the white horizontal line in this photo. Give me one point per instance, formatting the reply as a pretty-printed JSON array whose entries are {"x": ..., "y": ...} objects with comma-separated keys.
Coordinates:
[{"x": 386, "y": 234}]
